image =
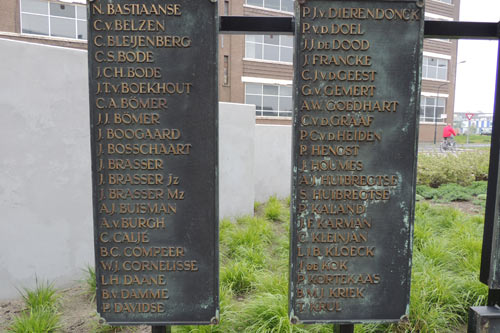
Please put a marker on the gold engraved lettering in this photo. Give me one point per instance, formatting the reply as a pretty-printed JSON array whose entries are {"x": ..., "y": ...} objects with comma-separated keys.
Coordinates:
[
  {"x": 144, "y": 294},
  {"x": 354, "y": 223},
  {"x": 136, "y": 119},
  {"x": 109, "y": 252},
  {"x": 158, "y": 41},
  {"x": 148, "y": 149},
  {"x": 338, "y": 60},
  {"x": 154, "y": 251},
  {"x": 389, "y": 14},
  {"x": 133, "y": 103},
  {"x": 325, "y": 307},
  {"x": 339, "y": 91},
  {"x": 341, "y": 136},
  {"x": 144, "y": 280},
  {"x": 334, "y": 150},
  {"x": 175, "y": 194},
  {"x": 147, "y": 208},
  {"x": 341, "y": 75},
  {"x": 142, "y": 134},
  {"x": 335, "y": 44},
  {"x": 335, "y": 209},
  {"x": 134, "y": 223},
  {"x": 124, "y": 237},
  {"x": 124, "y": 56},
  {"x": 135, "y": 179},
  {"x": 343, "y": 279},
  {"x": 129, "y": 25},
  {"x": 355, "y": 195},
  {"x": 144, "y": 88},
  {"x": 129, "y": 72},
  {"x": 135, "y": 164},
  {"x": 144, "y": 9},
  {"x": 160, "y": 265},
  {"x": 139, "y": 307},
  {"x": 137, "y": 194}
]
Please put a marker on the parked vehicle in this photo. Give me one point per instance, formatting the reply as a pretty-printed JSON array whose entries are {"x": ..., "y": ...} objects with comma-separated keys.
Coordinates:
[{"x": 485, "y": 131}]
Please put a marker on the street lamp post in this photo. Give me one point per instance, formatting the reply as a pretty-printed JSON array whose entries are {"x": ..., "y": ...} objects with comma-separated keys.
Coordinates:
[{"x": 435, "y": 108}]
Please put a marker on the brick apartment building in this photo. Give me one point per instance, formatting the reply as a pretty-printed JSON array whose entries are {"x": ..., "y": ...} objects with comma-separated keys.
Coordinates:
[{"x": 253, "y": 69}]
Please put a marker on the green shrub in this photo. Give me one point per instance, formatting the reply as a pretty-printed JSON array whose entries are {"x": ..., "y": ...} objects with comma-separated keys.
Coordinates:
[
  {"x": 274, "y": 209},
  {"x": 41, "y": 313},
  {"x": 462, "y": 168},
  {"x": 43, "y": 296},
  {"x": 90, "y": 283},
  {"x": 256, "y": 206},
  {"x": 272, "y": 282},
  {"x": 265, "y": 313},
  {"x": 39, "y": 319},
  {"x": 97, "y": 327},
  {"x": 453, "y": 192},
  {"x": 426, "y": 192},
  {"x": 445, "y": 276},
  {"x": 478, "y": 188},
  {"x": 250, "y": 232},
  {"x": 238, "y": 276}
]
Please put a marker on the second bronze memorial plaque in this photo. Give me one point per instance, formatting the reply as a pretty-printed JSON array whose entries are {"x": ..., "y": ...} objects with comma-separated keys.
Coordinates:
[{"x": 357, "y": 87}]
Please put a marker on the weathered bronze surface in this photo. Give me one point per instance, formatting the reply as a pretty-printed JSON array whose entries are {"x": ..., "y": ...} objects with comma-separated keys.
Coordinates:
[
  {"x": 357, "y": 91},
  {"x": 483, "y": 319},
  {"x": 153, "y": 113}
]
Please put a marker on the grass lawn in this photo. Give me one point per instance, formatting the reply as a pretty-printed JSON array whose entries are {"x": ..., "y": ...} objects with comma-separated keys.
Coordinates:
[
  {"x": 462, "y": 139},
  {"x": 254, "y": 272}
]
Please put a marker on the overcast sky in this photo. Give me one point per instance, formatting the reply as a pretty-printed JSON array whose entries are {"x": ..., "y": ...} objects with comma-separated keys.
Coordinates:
[{"x": 476, "y": 76}]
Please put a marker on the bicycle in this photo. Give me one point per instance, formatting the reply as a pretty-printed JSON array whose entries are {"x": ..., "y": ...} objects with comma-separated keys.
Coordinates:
[{"x": 448, "y": 145}]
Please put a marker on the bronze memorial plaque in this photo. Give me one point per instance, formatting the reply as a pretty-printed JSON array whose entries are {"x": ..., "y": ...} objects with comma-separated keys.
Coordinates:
[
  {"x": 357, "y": 88},
  {"x": 153, "y": 115}
]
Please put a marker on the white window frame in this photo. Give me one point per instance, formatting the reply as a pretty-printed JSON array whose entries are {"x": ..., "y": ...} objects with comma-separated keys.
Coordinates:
[
  {"x": 446, "y": 2},
  {"x": 280, "y": 45},
  {"x": 425, "y": 67},
  {"x": 268, "y": 8},
  {"x": 260, "y": 112},
  {"x": 49, "y": 19},
  {"x": 423, "y": 105}
]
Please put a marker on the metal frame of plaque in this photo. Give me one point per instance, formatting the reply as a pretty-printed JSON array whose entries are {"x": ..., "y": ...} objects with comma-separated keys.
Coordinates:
[
  {"x": 484, "y": 319},
  {"x": 357, "y": 92},
  {"x": 153, "y": 116}
]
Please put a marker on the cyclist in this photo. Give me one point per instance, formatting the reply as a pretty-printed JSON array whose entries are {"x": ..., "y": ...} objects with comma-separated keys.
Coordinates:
[
  {"x": 448, "y": 133},
  {"x": 448, "y": 143}
]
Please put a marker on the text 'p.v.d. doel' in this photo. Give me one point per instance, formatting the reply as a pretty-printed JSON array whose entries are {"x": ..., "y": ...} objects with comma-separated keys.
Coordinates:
[{"x": 356, "y": 93}]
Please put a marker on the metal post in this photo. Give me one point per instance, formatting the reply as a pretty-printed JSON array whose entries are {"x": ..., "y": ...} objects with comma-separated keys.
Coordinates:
[
  {"x": 490, "y": 240},
  {"x": 347, "y": 328},
  {"x": 435, "y": 109},
  {"x": 161, "y": 329},
  {"x": 468, "y": 131}
]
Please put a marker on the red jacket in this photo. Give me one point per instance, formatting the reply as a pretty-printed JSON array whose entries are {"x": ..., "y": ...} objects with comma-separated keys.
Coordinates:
[{"x": 448, "y": 131}]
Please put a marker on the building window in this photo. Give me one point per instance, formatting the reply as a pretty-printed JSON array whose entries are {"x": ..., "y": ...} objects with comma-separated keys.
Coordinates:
[
  {"x": 283, "y": 5},
  {"x": 431, "y": 109},
  {"x": 435, "y": 68},
  {"x": 269, "y": 100},
  {"x": 225, "y": 80},
  {"x": 41, "y": 17},
  {"x": 269, "y": 47},
  {"x": 446, "y": 1}
]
